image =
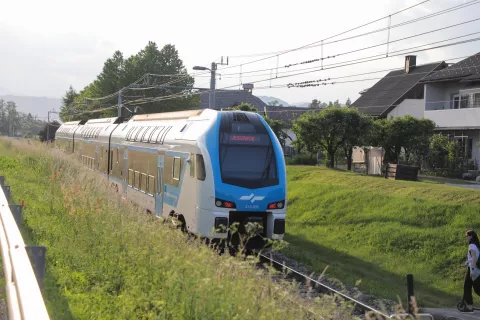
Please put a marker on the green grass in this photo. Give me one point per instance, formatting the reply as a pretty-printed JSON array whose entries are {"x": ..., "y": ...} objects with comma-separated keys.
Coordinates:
[
  {"x": 378, "y": 230},
  {"x": 106, "y": 260}
]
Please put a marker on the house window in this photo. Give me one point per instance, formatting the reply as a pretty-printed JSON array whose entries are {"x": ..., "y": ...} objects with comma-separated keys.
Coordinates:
[
  {"x": 476, "y": 100},
  {"x": 455, "y": 101},
  {"x": 176, "y": 168}
]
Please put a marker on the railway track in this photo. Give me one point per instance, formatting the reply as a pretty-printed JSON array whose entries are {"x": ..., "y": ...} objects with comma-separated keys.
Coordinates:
[{"x": 361, "y": 310}]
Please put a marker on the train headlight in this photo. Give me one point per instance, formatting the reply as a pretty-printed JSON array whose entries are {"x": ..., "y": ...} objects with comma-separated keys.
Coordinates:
[
  {"x": 225, "y": 204},
  {"x": 276, "y": 205}
]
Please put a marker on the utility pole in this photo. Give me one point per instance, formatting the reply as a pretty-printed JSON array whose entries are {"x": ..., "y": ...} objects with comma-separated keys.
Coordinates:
[
  {"x": 213, "y": 74},
  {"x": 48, "y": 124}
]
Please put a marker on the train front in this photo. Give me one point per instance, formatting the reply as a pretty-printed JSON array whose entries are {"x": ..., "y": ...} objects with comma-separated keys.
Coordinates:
[{"x": 249, "y": 177}]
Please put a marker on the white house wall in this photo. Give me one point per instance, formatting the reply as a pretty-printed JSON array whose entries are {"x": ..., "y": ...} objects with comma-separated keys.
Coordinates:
[
  {"x": 468, "y": 118},
  {"x": 413, "y": 107},
  {"x": 434, "y": 93}
]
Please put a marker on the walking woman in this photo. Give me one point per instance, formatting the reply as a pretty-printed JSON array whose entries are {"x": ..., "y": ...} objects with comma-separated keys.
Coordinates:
[{"x": 472, "y": 277}]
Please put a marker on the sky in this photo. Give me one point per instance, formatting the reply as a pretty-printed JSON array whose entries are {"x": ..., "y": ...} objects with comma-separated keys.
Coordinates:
[{"x": 51, "y": 44}]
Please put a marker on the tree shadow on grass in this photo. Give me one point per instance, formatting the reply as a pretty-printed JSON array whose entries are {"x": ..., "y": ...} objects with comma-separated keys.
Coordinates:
[{"x": 349, "y": 269}]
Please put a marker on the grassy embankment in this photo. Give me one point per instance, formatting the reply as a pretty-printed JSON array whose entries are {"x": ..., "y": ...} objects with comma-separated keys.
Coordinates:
[
  {"x": 106, "y": 260},
  {"x": 377, "y": 231}
]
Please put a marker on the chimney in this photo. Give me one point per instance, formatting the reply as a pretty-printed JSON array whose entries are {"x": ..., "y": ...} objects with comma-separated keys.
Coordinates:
[
  {"x": 410, "y": 63},
  {"x": 248, "y": 87}
]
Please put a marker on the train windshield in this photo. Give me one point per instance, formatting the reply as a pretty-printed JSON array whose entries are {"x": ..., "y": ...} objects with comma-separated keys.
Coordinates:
[{"x": 248, "y": 160}]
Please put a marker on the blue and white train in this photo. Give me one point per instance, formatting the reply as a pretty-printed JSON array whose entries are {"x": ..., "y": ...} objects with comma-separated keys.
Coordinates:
[{"x": 207, "y": 168}]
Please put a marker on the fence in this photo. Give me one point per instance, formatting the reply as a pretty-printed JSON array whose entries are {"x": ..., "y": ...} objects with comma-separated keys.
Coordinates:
[{"x": 24, "y": 297}]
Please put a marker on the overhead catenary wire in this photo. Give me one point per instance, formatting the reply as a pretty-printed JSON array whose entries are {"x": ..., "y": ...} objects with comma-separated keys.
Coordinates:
[
  {"x": 457, "y": 7},
  {"x": 431, "y": 15},
  {"x": 279, "y": 86},
  {"x": 341, "y": 33},
  {"x": 330, "y": 37}
]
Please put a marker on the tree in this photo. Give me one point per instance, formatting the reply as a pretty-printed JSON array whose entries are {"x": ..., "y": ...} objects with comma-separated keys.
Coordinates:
[
  {"x": 54, "y": 125},
  {"x": 67, "y": 103},
  {"x": 405, "y": 133},
  {"x": 273, "y": 103},
  {"x": 332, "y": 130},
  {"x": 315, "y": 104},
  {"x": 308, "y": 137},
  {"x": 243, "y": 107},
  {"x": 142, "y": 69},
  {"x": 348, "y": 103},
  {"x": 357, "y": 131},
  {"x": 278, "y": 127}
]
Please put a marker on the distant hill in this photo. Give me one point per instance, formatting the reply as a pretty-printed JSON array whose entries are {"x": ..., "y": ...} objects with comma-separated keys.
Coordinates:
[
  {"x": 35, "y": 105},
  {"x": 267, "y": 100}
]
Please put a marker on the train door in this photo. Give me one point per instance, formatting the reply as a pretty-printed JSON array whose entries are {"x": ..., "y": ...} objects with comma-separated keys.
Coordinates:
[{"x": 160, "y": 187}]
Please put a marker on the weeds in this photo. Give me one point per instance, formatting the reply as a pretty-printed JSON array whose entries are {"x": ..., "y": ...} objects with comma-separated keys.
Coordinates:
[{"x": 107, "y": 260}]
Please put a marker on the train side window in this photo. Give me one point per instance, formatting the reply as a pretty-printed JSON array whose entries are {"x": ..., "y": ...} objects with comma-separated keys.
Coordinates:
[
  {"x": 151, "y": 185},
  {"x": 143, "y": 182},
  {"x": 118, "y": 158},
  {"x": 201, "y": 174},
  {"x": 192, "y": 165},
  {"x": 137, "y": 180},
  {"x": 130, "y": 177},
  {"x": 176, "y": 168},
  {"x": 101, "y": 152}
]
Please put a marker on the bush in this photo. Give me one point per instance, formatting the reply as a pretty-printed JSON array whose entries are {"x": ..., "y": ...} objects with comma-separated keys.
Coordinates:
[{"x": 302, "y": 159}]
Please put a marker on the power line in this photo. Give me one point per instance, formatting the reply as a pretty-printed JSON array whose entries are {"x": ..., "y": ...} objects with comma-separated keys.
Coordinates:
[
  {"x": 451, "y": 9},
  {"x": 323, "y": 43},
  {"x": 381, "y": 44},
  {"x": 330, "y": 37},
  {"x": 361, "y": 49}
]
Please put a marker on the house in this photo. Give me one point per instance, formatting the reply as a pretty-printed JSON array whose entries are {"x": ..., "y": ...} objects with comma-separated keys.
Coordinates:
[
  {"x": 449, "y": 95},
  {"x": 452, "y": 101},
  {"x": 229, "y": 98},
  {"x": 287, "y": 115},
  {"x": 399, "y": 92}
]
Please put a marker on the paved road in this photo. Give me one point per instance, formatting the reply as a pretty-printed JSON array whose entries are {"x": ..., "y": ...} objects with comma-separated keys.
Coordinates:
[
  {"x": 451, "y": 314},
  {"x": 471, "y": 186}
]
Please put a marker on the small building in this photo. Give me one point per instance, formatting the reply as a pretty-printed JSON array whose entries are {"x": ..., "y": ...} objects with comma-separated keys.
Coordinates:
[
  {"x": 230, "y": 98},
  {"x": 368, "y": 160}
]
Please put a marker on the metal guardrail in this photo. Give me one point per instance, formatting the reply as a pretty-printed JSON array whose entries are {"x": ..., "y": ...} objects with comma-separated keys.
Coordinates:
[{"x": 24, "y": 297}]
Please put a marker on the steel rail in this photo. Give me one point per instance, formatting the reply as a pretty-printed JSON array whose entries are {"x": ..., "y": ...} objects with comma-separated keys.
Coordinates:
[{"x": 359, "y": 304}]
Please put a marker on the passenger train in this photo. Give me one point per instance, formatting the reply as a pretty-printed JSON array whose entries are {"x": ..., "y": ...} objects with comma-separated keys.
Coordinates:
[{"x": 205, "y": 167}]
